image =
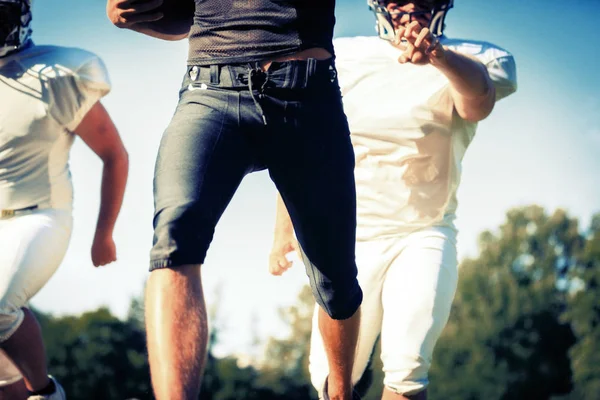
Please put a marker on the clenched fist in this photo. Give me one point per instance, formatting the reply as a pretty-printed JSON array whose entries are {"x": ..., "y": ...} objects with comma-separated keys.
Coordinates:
[{"x": 104, "y": 250}]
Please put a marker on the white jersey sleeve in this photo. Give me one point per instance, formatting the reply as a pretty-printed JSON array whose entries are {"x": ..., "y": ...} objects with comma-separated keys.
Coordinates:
[
  {"x": 408, "y": 140},
  {"x": 499, "y": 63},
  {"x": 79, "y": 80},
  {"x": 503, "y": 72},
  {"x": 45, "y": 91}
]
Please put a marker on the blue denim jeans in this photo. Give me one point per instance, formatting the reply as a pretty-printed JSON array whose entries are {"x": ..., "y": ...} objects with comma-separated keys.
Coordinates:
[{"x": 235, "y": 119}]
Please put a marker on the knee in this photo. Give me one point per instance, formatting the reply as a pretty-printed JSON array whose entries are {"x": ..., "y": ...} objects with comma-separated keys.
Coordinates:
[
  {"x": 337, "y": 290},
  {"x": 407, "y": 381},
  {"x": 11, "y": 318},
  {"x": 182, "y": 235},
  {"x": 339, "y": 302}
]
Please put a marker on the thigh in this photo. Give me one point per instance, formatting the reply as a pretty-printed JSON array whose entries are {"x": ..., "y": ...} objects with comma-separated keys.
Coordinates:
[
  {"x": 36, "y": 245},
  {"x": 417, "y": 296},
  {"x": 311, "y": 161},
  {"x": 203, "y": 157}
]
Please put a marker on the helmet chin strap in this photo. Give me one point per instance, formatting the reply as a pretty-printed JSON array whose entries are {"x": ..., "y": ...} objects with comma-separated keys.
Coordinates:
[
  {"x": 436, "y": 26},
  {"x": 384, "y": 27}
]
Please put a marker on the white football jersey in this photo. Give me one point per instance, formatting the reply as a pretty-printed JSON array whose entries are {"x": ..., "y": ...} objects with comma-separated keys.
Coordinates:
[
  {"x": 408, "y": 140},
  {"x": 45, "y": 91}
]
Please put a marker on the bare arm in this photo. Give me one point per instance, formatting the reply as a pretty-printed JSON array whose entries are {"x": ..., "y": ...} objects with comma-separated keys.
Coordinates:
[
  {"x": 162, "y": 19},
  {"x": 100, "y": 134},
  {"x": 470, "y": 84},
  {"x": 284, "y": 240},
  {"x": 471, "y": 88}
]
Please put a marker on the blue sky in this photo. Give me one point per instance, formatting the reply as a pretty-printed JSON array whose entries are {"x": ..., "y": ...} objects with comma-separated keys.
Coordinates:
[{"x": 541, "y": 146}]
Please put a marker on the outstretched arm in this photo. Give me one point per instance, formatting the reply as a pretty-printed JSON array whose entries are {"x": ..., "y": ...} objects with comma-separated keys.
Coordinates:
[
  {"x": 100, "y": 134},
  {"x": 471, "y": 87},
  {"x": 162, "y": 19},
  {"x": 470, "y": 84}
]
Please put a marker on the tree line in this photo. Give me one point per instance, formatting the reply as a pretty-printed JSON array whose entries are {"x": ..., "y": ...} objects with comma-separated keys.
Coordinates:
[{"x": 525, "y": 324}]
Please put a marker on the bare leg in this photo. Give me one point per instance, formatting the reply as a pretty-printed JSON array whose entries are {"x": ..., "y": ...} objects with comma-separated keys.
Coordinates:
[
  {"x": 177, "y": 332},
  {"x": 339, "y": 338},
  {"x": 389, "y": 395},
  {"x": 26, "y": 350},
  {"x": 14, "y": 391}
]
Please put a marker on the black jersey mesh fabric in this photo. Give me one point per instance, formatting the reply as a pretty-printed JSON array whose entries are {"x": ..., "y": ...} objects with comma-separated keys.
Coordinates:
[{"x": 234, "y": 31}]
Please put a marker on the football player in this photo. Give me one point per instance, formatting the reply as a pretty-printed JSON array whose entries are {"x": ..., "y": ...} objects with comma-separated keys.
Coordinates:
[
  {"x": 413, "y": 98},
  {"x": 48, "y": 96}
]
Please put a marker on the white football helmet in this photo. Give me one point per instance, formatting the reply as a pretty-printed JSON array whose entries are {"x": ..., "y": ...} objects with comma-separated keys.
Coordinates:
[
  {"x": 385, "y": 27},
  {"x": 15, "y": 25}
]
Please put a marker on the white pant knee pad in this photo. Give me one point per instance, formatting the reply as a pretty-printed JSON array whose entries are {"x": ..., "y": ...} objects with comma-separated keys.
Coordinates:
[
  {"x": 407, "y": 381},
  {"x": 10, "y": 320}
]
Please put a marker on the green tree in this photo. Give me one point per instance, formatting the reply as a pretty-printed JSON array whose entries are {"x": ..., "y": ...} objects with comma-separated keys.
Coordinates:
[
  {"x": 285, "y": 369},
  {"x": 224, "y": 378},
  {"x": 505, "y": 339},
  {"x": 97, "y": 356},
  {"x": 525, "y": 324},
  {"x": 584, "y": 315}
]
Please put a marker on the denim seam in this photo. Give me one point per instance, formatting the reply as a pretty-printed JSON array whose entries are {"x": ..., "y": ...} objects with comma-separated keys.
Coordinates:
[
  {"x": 167, "y": 262},
  {"x": 215, "y": 145},
  {"x": 317, "y": 287}
]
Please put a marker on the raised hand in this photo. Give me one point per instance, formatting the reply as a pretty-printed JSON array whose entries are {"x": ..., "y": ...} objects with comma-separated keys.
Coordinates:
[{"x": 422, "y": 47}]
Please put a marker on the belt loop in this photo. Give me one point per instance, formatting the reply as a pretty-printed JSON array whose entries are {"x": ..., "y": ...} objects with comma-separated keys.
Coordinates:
[
  {"x": 289, "y": 73},
  {"x": 311, "y": 67},
  {"x": 233, "y": 76},
  {"x": 214, "y": 74},
  {"x": 194, "y": 73},
  {"x": 7, "y": 213},
  {"x": 293, "y": 67}
]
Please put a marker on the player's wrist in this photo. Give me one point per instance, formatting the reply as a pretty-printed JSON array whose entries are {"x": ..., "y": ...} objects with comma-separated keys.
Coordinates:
[
  {"x": 282, "y": 239},
  {"x": 439, "y": 57},
  {"x": 103, "y": 231}
]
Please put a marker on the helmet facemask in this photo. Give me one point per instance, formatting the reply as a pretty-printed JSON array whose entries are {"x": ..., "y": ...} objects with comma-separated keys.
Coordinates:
[
  {"x": 384, "y": 18},
  {"x": 15, "y": 25}
]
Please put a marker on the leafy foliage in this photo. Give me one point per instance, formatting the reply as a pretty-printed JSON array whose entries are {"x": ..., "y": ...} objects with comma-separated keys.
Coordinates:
[{"x": 525, "y": 324}]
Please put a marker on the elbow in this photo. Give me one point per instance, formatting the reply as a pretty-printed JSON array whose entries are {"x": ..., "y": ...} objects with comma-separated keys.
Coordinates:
[
  {"x": 476, "y": 115},
  {"x": 123, "y": 159},
  {"x": 479, "y": 109},
  {"x": 117, "y": 159}
]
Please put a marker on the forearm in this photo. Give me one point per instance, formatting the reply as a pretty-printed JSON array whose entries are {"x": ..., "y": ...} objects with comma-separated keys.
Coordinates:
[
  {"x": 471, "y": 87},
  {"x": 283, "y": 222},
  {"x": 162, "y": 19},
  {"x": 114, "y": 180}
]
